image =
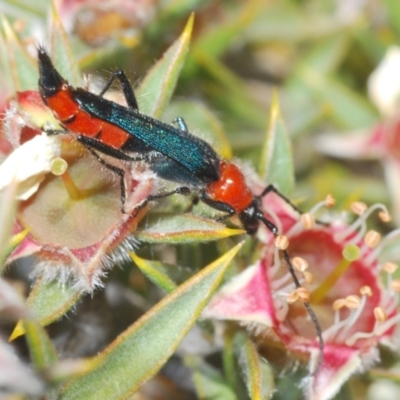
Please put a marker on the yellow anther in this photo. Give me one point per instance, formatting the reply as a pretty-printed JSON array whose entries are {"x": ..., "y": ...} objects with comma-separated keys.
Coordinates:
[
  {"x": 281, "y": 242},
  {"x": 372, "y": 238},
  {"x": 358, "y": 207},
  {"x": 385, "y": 216},
  {"x": 380, "y": 314},
  {"x": 395, "y": 285},
  {"x": 330, "y": 201},
  {"x": 307, "y": 220},
  {"x": 308, "y": 277},
  {"x": 292, "y": 297},
  {"x": 299, "y": 264},
  {"x": 338, "y": 304},
  {"x": 390, "y": 267},
  {"x": 353, "y": 302},
  {"x": 366, "y": 291},
  {"x": 304, "y": 294}
]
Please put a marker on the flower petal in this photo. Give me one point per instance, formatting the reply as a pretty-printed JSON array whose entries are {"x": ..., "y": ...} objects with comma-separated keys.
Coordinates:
[
  {"x": 29, "y": 163},
  {"x": 246, "y": 298},
  {"x": 340, "y": 362},
  {"x": 384, "y": 82}
]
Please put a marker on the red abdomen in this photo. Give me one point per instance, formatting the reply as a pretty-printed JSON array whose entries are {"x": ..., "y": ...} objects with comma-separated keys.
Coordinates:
[
  {"x": 67, "y": 111},
  {"x": 231, "y": 188}
]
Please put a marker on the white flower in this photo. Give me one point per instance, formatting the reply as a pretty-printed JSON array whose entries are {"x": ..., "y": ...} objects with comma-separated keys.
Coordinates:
[
  {"x": 384, "y": 82},
  {"x": 29, "y": 163}
]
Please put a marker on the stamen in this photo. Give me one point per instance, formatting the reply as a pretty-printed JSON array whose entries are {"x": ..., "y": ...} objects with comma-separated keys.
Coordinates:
[
  {"x": 390, "y": 236},
  {"x": 304, "y": 295},
  {"x": 366, "y": 291},
  {"x": 69, "y": 184},
  {"x": 338, "y": 304},
  {"x": 308, "y": 277},
  {"x": 333, "y": 330},
  {"x": 385, "y": 326},
  {"x": 292, "y": 297},
  {"x": 389, "y": 267},
  {"x": 395, "y": 285},
  {"x": 329, "y": 201},
  {"x": 353, "y": 302},
  {"x": 356, "y": 304},
  {"x": 281, "y": 242},
  {"x": 380, "y": 314},
  {"x": 300, "y": 294},
  {"x": 307, "y": 220},
  {"x": 350, "y": 253},
  {"x": 358, "y": 207},
  {"x": 322, "y": 204},
  {"x": 385, "y": 216},
  {"x": 299, "y": 264},
  {"x": 359, "y": 221},
  {"x": 277, "y": 284},
  {"x": 372, "y": 239}
]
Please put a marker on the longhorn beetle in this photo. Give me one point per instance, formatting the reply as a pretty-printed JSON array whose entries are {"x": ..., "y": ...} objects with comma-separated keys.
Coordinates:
[{"x": 171, "y": 152}]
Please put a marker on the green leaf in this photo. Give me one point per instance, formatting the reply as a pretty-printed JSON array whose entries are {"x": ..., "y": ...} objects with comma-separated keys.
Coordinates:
[
  {"x": 154, "y": 270},
  {"x": 49, "y": 301},
  {"x": 8, "y": 207},
  {"x": 168, "y": 8},
  {"x": 69, "y": 369},
  {"x": 326, "y": 55},
  {"x": 210, "y": 385},
  {"x": 42, "y": 351},
  {"x": 61, "y": 50},
  {"x": 228, "y": 357},
  {"x": 157, "y": 87},
  {"x": 27, "y": 11},
  {"x": 21, "y": 67},
  {"x": 291, "y": 23},
  {"x": 256, "y": 371},
  {"x": 137, "y": 354},
  {"x": 276, "y": 165},
  {"x": 185, "y": 228},
  {"x": 393, "y": 13},
  {"x": 346, "y": 107},
  {"x": 217, "y": 39}
]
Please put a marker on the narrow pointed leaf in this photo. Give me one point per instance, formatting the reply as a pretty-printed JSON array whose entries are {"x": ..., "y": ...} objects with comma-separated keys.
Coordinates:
[
  {"x": 347, "y": 108},
  {"x": 186, "y": 229},
  {"x": 257, "y": 373},
  {"x": 41, "y": 349},
  {"x": 21, "y": 66},
  {"x": 70, "y": 369},
  {"x": 327, "y": 55},
  {"x": 137, "y": 354},
  {"x": 49, "y": 301},
  {"x": 276, "y": 165},
  {"x": 392, "y": 12},
  {"x": 152, "y": 269},
  {"x": 234, "y": 88},
  {"x": 61, "y": 50},
  {"x": 217, "y": 39},
  {"x": 210, "y": 385},
  {"x": 8, "y": 206},
  {"x": 157, "y": 87}
]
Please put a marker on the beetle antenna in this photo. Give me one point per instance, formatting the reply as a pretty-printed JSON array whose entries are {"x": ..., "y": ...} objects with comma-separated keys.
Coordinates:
[{"x": 274, "y": 230}]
